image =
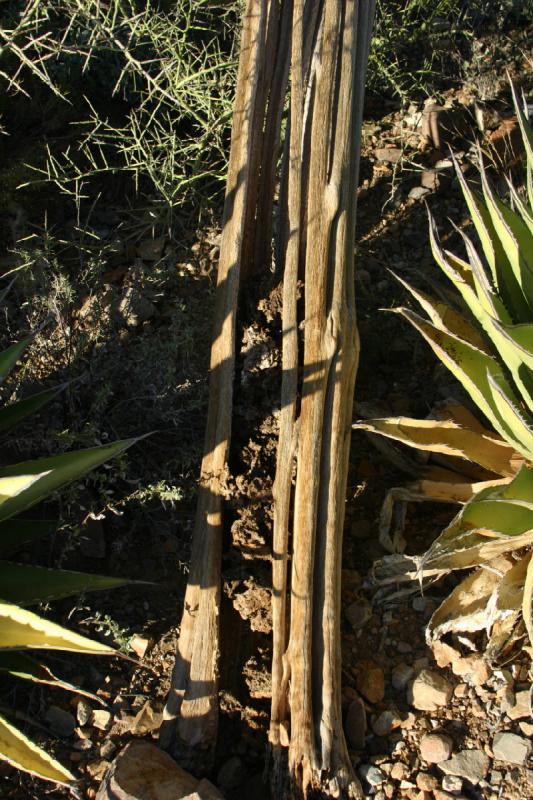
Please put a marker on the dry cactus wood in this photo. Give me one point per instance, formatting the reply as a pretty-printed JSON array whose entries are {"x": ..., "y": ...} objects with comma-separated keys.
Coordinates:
[
  {"x": 315, "y": 240},
  {"x": 329, "y": 57},
  {"x": 190, "y": 720}
]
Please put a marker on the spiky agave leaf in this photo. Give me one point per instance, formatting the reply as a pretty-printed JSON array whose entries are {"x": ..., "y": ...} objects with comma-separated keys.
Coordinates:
[{"x": 21, "y": 752}]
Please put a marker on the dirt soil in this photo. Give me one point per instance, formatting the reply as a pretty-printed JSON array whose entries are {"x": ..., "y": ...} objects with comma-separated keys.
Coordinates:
[{"x": 141, "y": 342}]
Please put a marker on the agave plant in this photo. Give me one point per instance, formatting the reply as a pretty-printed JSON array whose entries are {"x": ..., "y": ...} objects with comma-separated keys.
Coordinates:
[
  {"x": 22, "y": 585},
  {"x": 490, "y": 351}
]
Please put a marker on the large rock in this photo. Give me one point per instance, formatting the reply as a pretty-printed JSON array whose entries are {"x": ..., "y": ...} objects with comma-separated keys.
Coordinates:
[
  {"x": 431, "y": 691},
  {"x": 511, "y": 748},
  {"x": 472, "y": 765},
  {"x": 142, "y": 771}
]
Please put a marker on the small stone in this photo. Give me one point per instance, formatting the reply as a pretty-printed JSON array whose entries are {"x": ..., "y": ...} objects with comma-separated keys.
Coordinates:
[
  {"x": 400, "y": 771},
  {"x": 526, "y": 728},
  {"x": 473, "y": 669},
  {"x": 61, "y": 722},
  {"x": 401, "y": 675},
  {"x": 108, "y": 749},
  {"x": 419, "y": 604},
  {"x": 435, "y": 747},
  {"x": 472, "y": 765},
  {"x": 511, "y": 748},
  {"x": 430, "y": 179},
  {"x": 97, "y": 769},
  {"x": 371, "y": 681},
  {"x": 452, "y": 783},
  {"x": 151, "y": 249},
  {"x": 140, "y": 645},
  {"x": 519, "y": 708},
  {"x": 355, "y": 724},
  {"x": 102, "y": 719},
  {"x": 444, "y": 654},
  {"x": 134, "y": 308},
  {"x": 387, "y": 721},
  {"x": 390, "y": 155},
  {"x": 358, "y": 613},
  {"x": 460, "y": 690},
  {"x": 231, "y": 774},
  {"x": 418, "y": 192},
  {"x": 146, "y": 720},
  {"x": 372, "y": 775},
  {"x": 426, "y": 782},
  {"x": 404, "y": 647},
  {"x": 431, "y": 691},
  {"x": 84, "y": 712},
  {"x": 495, "y": 777},
  {"x": 159, "y": 773}
]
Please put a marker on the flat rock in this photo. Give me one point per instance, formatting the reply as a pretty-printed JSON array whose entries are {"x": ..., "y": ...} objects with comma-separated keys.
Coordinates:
[
  {"x": 372, "y": 775},
  {"x": 390, "y": 155},
  {"x": 355, "y": 724},
  {"x": 472, "y": 765},
  {"x": 159, "y": 777},
  {"x": 61, "y": 722},
  {"x": 401, "y": 675},
  {"x": 431, "y": 691},
  {"x": 370, "y": 681},
  {"x": 519, "y": 707},
  {"x": 435, "y": 747},
  {"x": 511, "y": 748}
]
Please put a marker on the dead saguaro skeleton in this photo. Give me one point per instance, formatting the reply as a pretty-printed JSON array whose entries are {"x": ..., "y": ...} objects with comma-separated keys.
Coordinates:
[{"x": 316, "y": 54}]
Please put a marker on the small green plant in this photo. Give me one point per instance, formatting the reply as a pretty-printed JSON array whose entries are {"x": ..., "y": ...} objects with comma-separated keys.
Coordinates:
[
  {"x": 491, "y": 354},
  {"x": 21, "y": 585}
]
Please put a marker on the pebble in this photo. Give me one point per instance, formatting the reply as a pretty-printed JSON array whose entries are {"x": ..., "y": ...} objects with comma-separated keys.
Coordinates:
[
  {"x": 426, "y": 782},
  {"x": 435, "y": 747},
  {"x": 390, "y": 155},
  {"x": 452, "y": 783},
  {"x": 418, "y": 192},
  {"x": 400, "y": 771},
  {"x": 372, "y": 775},
  {"x": 401, "y": 675},
  {"x": 84, "y": 712},
  {"x": 431, "y": 691},
  {"x": 472, "y": 765},
  {"x": 232, "y": 773},
  {"x": 526, "y": 728},
  {"x": 404, "y": 647},
  {"x": 371, "y": 681},
  {"x": 387, "y": 721},
  {"x": 355, "y": 724},
  {"x": 358, "y": 613},
  {"x": 518, "y": 708},
  {"x": 61, "y": 722},
  {"x": 419, "y": 604},
  {"x": 102, "y": 719},
  {"x": 511, "y": 748}
]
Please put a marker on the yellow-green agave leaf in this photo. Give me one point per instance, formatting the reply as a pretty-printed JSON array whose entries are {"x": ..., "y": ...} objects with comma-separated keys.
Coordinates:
[
  {"x": 527, "y": 138},
  {"x": 472, "y": 367},
  {"x": 26, "y": 584},
  {"x": 20, "y": 665},
  {"x": 21, "y": 629},
  {"x": 10, "y": 356},
  {"x": 24, "y": 754},
  {"x": 445, "y": 436},
  {"x": 527, "y": 600},
  {"x": 513, "y": 418}
]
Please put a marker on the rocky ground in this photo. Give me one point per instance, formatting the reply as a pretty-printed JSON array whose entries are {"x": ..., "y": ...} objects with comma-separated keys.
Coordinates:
[{"x": 421, "y": 725}]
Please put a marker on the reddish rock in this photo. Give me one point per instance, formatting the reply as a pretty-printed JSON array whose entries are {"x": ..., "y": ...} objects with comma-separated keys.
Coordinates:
[
  {"x": 435, "y": 747},
  {"x": 431, "y": 691},
  {"x": 371, "y": 681}
]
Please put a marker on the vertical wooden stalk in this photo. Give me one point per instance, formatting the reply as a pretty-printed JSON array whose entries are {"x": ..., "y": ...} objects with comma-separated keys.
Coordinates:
[
  {"x": 323, "y": 169},
  {"x": 191, "y": 714}
]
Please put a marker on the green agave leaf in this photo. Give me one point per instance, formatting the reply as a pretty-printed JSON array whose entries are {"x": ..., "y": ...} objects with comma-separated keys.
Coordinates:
[
  {"x": 14, "y": 533},
  {"x": 515, "y": 238},
  {"x": 9, "y": 357},
  {"x": 445, "y": 317},
  {"x": 521, "y": 427},
  {"x": 15, "y": 413},
  {"x": 526, "y": 213},
  {"x": 470, "y": 366},
  {"x": 22, "y": 753},
  {"x": 19, "y": 665},
  {"x": 501, "y": 270},
  {"x": 25, "y": 584},
  {"x": 21, "y": 629},
  {"x": 525, "y": 128},
  {"x": 521, "y": 487},
  {"x": 46, "y": 475}
]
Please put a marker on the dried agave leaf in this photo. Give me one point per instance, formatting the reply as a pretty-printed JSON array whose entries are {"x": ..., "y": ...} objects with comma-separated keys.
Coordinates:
[
  {"x": 465, "y": 610},
  {"x": 447, "y": 437}
]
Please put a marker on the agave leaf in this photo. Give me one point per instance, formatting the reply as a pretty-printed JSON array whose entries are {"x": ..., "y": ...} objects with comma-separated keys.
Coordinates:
[
  {"x": 26, "y": 584},
  {"x": 523, "y": 210},
  {"x": 445, "y": 317},
  {"x": 21, "y": 629},
  {"x": 19, "y": 665},
  {"x": 527, "y": 599},
  {"x": 46, "y": 475},
  {"x": 16, "y": 412},
  {"x": 14, "y": 533},
  {"x": 445, "y": 436},
  {"x": 501, "y": 271},
  {"x": 514, "y": 237},
  {"x": 515, "y": 421},
  {"x": 21, "y": 752},
  {"x": 471, "y": 367},
  {"x": 527, "y": 138},
  {"x": 10, "y": 356},
  {"x": 465, "y": 609}
]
